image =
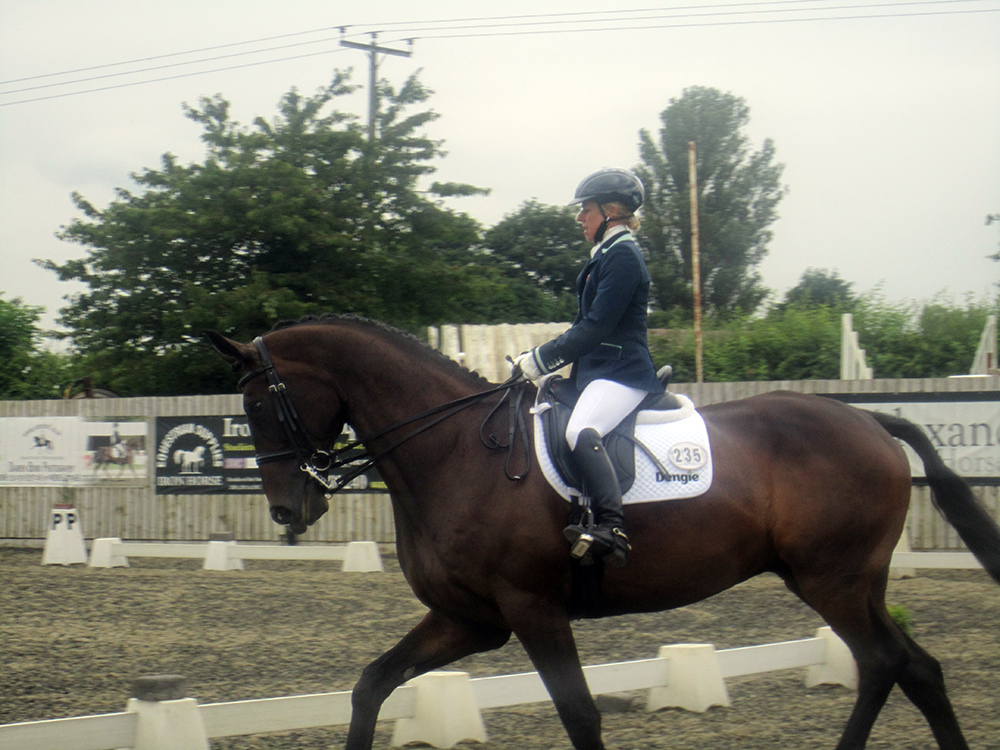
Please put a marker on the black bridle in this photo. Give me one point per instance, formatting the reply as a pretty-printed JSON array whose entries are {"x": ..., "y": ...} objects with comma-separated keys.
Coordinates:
[{"x": 318, "y": 463}]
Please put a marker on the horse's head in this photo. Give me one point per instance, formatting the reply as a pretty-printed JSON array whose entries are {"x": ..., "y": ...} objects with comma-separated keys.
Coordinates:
[{"x": 295, "y": 417}]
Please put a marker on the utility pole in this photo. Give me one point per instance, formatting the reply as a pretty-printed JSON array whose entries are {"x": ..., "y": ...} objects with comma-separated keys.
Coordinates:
[
  {"x": 695, "y": 261},
  {"x": 373, "y": 51}
]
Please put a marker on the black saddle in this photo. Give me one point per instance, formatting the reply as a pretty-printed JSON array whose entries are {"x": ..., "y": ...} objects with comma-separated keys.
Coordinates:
[{"x": 561, "y": 395}]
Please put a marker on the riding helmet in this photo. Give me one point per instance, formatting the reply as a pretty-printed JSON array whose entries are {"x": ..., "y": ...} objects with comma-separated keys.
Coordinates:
[{"x": 611, "y": 184}]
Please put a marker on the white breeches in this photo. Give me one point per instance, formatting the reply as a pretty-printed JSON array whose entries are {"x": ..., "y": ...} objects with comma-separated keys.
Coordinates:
[{"x": 602, "y": 406}]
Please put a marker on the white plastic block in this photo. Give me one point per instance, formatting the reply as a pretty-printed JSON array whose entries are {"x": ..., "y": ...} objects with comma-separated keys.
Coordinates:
[
  {"x": 903, "y": 545},
  {"x": 446, "y": 712},
  {"x": 218, "y": 558},
  {"x": 102, "y": 554},
  {"x": 839, "y": 667},
  {"x": 695, "y": 680},
  {"x": 168, "y": 725},
  {"x": 362, "y": 557}
]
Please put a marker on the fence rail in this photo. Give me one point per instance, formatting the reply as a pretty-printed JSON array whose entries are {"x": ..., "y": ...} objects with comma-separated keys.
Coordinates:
[
  {"x": 670, "y": 678},
  {"x": 687, "y": 676},
  {"x": 358, "y": 557}
]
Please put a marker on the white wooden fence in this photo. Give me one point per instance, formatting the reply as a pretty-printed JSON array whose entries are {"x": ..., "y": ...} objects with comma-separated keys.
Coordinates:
[
  {"x": 357, "y": 557},
  {"x": 853, "y": 365},
  {"x": 484, "y": 348},
  {"x": 689, "y": 676},
  {"x": 439, "y": 708},
  {"x": 985, "y": 362}
]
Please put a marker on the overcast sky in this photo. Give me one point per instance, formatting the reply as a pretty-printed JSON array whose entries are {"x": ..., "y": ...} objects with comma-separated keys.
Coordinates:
[{"x": 886, "y": 115}]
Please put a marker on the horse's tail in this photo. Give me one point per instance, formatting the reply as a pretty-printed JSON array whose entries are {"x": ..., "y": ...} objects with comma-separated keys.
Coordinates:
[{"x": 951, "y": 494}]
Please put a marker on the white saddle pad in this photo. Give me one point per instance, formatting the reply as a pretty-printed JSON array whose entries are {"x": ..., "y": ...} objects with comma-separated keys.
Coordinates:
[{"x": 681, "y": 446}]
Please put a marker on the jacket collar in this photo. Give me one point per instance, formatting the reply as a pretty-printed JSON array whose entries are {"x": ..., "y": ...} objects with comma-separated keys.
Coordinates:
[{"x": 613, "y": 236}]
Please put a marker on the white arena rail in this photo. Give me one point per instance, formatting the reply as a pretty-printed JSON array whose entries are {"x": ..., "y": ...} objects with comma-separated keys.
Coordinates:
[
  {"x": 438, "y": 708},
  {"x": 358, "y": 557},
  {"x": 110, "y": 552},
  {"x": 690, "y": 676},
  {"x": 936, "y": 560}
]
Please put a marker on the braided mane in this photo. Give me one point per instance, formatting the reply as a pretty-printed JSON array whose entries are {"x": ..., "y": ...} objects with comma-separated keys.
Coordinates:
[{"x": 411, "y": 343}]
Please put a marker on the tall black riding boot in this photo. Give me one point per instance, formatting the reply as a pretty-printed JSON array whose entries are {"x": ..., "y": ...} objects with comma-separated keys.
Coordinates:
[{"x": 607, "y": 535}]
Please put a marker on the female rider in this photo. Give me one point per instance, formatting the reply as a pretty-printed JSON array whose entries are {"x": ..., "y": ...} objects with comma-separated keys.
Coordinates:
[{"x": 607, "y": 345}]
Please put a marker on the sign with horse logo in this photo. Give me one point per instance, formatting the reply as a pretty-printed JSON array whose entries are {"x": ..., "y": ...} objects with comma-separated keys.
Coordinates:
[
  {"x": 190, "y": 458},
  {"x": 71, "y": 451},
  {"x": 41, "y": 452},
  {"x": 215, "y": 454}
]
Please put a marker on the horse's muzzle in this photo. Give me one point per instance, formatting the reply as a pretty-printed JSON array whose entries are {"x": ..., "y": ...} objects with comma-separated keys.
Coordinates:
[{"x": 285, "y": 517}]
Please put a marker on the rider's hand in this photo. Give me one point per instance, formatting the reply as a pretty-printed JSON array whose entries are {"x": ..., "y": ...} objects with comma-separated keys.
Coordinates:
[{"x": 529, "y": 366}]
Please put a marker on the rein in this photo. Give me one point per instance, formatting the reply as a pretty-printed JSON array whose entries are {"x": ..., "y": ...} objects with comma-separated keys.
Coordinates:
[{"x": 318, "y": 463}]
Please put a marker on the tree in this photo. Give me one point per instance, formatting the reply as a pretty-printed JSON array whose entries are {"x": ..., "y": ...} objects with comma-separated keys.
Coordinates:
[
  {"x": 300, "y": 214},
  {"x": 738, "y": 195},
  {"x": 824, "y": 288},
  {"x": 28, "y": 372},
  {"x": 540, "y": 246},
  {"x": 990, "y": 219}
]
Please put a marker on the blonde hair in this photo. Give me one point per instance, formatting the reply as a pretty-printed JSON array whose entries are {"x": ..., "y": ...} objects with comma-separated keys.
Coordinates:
[{"x": 617, "y": 211}]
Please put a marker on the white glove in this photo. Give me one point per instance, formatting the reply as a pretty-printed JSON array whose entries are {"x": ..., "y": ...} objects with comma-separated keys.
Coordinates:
[{"x": 526, "y": 361}]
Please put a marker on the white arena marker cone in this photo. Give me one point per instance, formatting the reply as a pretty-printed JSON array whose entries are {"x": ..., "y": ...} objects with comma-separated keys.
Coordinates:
[
  {"x": 166, "y": 719},
  {"x": 903, "y": 546},
  {"x": 362, "y": 557},
  {"x": 218, "y": 558},
  {"x": 839, "y": 667},
  {"x": 446, "y": 712},
  {"x": 695, "y": 681},
  {"x": 102, "y": 554},
  {"x": 64, "y": 539}
]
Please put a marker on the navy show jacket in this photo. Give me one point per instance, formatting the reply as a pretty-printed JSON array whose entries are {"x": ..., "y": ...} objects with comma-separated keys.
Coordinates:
[{"x": 608, "y": 337}]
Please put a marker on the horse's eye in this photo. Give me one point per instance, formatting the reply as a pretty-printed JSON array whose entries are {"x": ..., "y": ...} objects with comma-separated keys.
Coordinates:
[{"x": 254, "y": 408}]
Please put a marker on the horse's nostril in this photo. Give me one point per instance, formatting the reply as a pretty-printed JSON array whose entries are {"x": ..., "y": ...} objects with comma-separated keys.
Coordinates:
[{"x": 282, "y": 515}]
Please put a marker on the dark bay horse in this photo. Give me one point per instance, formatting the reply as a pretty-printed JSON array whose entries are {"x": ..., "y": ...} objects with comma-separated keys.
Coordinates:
[
  {"x": 104, "y": 456},
  {"x": 804, "y": 487}
]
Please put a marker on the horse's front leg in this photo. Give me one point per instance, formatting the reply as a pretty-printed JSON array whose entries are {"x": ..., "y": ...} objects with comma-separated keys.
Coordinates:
[
  {"x": 434, "y": 642},
  {"x": 552, "y": 650}
]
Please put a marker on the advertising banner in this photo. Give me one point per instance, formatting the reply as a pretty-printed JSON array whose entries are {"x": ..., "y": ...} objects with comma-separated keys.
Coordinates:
[
  {"x": 963, "y": 427},
  {"x": 204, "y": 455},
  {"x": 214, "y": 454},
  {"x": 71, "y": 451}
]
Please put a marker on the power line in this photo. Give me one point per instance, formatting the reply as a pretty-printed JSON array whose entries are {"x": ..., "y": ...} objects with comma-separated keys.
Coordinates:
[
  {"x": 387, "y": 24},
  {"x": 570, "y": 17},
  {"x": 617, "y": 16},
  {"x": 162, "y": 67},
  {"x": 162, "y": 57},
  {"x": 705, "y": 24},
  {"x": 168, "y": 78},
  {"x": 703, "y": 15}
]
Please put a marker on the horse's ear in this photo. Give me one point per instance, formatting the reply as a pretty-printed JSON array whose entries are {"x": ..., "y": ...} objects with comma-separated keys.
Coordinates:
[{"x": 236, "y": 354}]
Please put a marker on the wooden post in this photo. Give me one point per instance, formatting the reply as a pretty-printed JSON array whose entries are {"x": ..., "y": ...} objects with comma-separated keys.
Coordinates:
[{"x": 695, "y": 263}]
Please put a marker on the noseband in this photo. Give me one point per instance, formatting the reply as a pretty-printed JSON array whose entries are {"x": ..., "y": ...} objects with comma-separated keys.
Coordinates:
[{"x": 318, "y": 463}]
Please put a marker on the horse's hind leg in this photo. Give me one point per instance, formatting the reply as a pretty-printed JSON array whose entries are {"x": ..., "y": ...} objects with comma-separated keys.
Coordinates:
[
  {"x": 434, "y": 642},
  {"x": 884, "y": 656},
  {"x": 923, "y": 683}
]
